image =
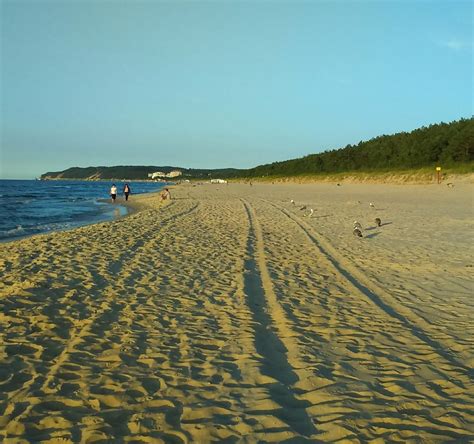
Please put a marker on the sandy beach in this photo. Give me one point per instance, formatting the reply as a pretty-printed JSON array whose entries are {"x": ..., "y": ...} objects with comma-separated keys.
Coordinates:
[{"x": 230, "y": 314}]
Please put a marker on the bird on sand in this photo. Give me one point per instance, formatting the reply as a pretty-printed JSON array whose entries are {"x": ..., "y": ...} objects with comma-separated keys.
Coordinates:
[
  {"x": 292, "y": 201},
  {"x": 357, "y": 232},
  {"x": 378, "y": 222},
  {"x": 357, "y": 225},
  {"x": 303, "y": 208},
  {"x": 311, "y": 211},
  {"x": 372, "y": 205}
]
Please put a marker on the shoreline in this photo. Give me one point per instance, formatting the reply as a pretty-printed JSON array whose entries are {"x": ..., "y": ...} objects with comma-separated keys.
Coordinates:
[
  {"x": 130, "y": 207},
  {"x": 403, "y": 177},
  {"x": 230, "y": 313}
]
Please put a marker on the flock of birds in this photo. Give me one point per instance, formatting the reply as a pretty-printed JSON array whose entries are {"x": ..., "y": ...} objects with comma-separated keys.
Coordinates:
[
  {"x": 357, "y": 229},
  {"x": 304, "y": 207}
]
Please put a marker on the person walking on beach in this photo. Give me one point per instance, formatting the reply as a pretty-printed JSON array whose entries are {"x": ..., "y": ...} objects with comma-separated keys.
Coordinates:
[
  {"x": 113, "y": 192},
  {"x": 165, "y": 195},
  {"x": 126, "y": 191}
]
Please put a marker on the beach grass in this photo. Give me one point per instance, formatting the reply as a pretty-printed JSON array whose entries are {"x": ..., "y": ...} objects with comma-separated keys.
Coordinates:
[{"x": 426, "y": 175}]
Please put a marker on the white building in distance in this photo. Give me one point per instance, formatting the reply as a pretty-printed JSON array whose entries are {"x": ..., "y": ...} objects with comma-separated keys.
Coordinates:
[
  {"x": 156, "y": 175},
  {"x": 160, "y": 174}
]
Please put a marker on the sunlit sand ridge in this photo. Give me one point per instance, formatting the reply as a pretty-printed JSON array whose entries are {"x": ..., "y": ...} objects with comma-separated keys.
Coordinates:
[{"x": 230, "y": 315}]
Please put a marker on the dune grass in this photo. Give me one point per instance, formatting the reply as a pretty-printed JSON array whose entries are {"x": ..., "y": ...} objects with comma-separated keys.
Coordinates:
[{"x": 420, "y": 175}]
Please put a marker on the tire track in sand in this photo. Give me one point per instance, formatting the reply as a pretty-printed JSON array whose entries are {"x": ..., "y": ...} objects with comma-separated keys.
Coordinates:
[
  {"x": 378, "y": 296},
  {"x": 79, "y": 332},
  {"x": 273, "y": 336}
]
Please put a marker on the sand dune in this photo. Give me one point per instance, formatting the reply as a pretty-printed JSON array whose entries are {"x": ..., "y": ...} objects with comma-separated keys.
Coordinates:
[{"x": 230, "y": 315}]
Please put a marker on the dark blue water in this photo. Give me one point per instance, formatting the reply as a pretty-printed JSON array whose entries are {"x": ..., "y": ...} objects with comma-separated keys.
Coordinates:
[{"x": 32, "y": 206}]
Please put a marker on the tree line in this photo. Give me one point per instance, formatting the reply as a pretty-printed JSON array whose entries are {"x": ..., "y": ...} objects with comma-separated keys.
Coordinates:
[{"x": 447, "y": 144}]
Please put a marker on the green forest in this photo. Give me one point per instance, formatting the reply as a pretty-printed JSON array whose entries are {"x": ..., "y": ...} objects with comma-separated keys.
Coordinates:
[{"x": 446, "y": 144}]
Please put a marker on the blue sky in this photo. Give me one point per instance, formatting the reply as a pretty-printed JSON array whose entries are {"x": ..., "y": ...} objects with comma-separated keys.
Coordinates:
[{"x": 222, "y": 84}]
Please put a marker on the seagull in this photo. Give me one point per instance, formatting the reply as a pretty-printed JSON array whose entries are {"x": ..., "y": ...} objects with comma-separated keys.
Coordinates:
[
  {"x": 378, "y": 222},
  {"x": 357, "y": 225},
  {"x": 292, "y": 201},
  {"x": 372, "y": 205},
  {"x": 450, "y": 185},
  {"x": 357, "y": 232},
  {"x": 303, "y": 208},
  {"x": 311, "y": 211}
]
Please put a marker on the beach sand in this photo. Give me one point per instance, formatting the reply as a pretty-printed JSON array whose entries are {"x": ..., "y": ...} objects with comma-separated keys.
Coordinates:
[{"x": 230, "y": 315}]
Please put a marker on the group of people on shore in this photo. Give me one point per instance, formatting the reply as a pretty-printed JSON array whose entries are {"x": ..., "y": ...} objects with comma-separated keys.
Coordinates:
[
  {"x": 164, "y": 195},
  {"x": 113, "y": 191}
]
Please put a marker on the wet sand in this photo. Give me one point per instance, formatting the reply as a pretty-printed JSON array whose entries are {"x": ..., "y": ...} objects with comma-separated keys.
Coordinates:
[{"x": 231, "y": 315}]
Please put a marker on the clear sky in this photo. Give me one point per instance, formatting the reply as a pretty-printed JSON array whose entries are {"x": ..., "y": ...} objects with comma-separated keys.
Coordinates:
[{"x": 222, "y": 84}]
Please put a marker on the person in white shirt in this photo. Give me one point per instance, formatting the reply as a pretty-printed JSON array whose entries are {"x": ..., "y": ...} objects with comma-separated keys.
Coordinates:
[{"x": 113, "y": 192}]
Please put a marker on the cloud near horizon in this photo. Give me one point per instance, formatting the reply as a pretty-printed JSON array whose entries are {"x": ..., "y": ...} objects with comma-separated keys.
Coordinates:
[{"x": 456, "y": 44}]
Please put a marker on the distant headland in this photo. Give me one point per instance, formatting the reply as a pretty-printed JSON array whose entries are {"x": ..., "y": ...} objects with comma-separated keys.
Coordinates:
[{"x": 135, "y": 172}]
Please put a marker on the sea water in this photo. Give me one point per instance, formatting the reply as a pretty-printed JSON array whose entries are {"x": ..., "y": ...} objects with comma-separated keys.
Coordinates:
[{"x": 35, "y": 206}]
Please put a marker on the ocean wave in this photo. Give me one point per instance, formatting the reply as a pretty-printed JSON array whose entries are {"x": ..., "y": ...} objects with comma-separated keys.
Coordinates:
[
  {"x": 26, "y": 196},
  {"x": 17, "y": 231},
  {"x": 21, "y": 231},
  {"x": 55, "y": 226}
]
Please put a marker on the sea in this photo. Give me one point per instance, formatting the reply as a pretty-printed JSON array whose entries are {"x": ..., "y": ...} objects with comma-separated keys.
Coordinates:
[{"x": 30, "y": 207}]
